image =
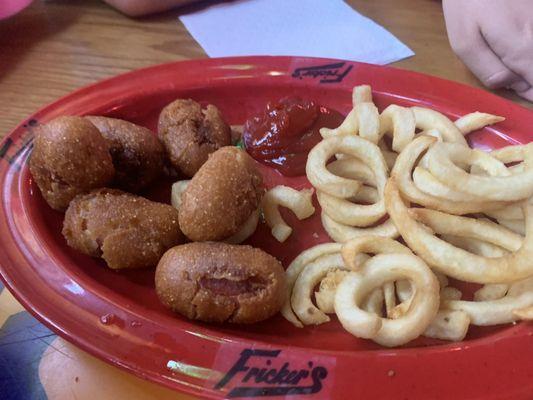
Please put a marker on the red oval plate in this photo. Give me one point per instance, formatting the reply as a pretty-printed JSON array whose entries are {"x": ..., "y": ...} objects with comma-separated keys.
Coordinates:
[{"x": 116, "y": 315}]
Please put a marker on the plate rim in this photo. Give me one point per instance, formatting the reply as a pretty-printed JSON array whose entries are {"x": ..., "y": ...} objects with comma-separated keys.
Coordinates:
[{"x": 18, "y": 293}]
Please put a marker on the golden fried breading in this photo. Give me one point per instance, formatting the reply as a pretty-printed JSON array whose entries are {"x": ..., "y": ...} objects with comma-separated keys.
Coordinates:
[
  {"x": 69, "y": 157},
  {"x": 221, "y": 196},
  {"x": 138, "y": 155},
  {"x": 191, "y": 133},
  {"x": 219, "y": 282},
  {"x": 127, "y": 231}
]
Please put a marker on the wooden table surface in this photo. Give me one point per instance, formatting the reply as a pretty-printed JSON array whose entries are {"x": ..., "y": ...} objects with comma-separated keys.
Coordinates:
[{"x": 54, "y": 47}]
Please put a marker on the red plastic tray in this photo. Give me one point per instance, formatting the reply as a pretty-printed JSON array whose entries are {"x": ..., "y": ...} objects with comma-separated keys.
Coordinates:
[{"x": 116, "y": 315}]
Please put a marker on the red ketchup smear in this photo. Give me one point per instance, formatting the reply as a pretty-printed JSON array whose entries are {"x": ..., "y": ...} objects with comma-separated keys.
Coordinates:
[{"x": 286, "y": 131}]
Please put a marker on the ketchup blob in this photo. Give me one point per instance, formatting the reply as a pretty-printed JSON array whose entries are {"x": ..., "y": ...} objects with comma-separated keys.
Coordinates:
[{"x": 282, "y": 136}]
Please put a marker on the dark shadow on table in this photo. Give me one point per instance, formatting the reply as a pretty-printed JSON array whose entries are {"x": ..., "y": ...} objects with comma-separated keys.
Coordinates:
[
  {"x": 190, "y": 8},
  {"x": 25, "y": 30}
]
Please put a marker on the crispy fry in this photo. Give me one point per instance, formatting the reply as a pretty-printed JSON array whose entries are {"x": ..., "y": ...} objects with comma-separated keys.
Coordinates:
[
  {"x": 499, "y": 311},
  {"x": 322, "y": 179},
  {"x": 456, "y": 262},
  {"x": 491, "y": 291},
  {"x": 517, "y": 226},
  {"x": 377, "y": 271},
  {"x": 352, "y": 168},
  {"x": 373, "y": 303},
  {"x": 456, "y": 194},
  {"x": 246, "y": 230},
  {"x": 349, "y": 126},
  {"x": 398, "y": 122},
  {"x": 441, "y": 157},
  {"x": 369, "y": 245},
  {"x": 363, "y": 120},
  {"x": 443, "y": 279},
  {"x": 349, "y": 213},
  {"x": 449, "y": 325},
  {"x": 366, "y": 194},
  {"x": 311, "y": 275},
  {"x": 524, "y": 313},
  {"x": 299, "y": 202},
  {"x": 476, "y": 246},
  {"x": 403, "y": 289},
  {"x": 450, "y": 293},
  {"x": 402, "y": 173},
  {"x": 430, "y": 185},
  {"x": 447, "y": 224},
  {"x": 342, "y": 233},
  {"x": 325, "y": 296},
  {"x": 296, "y": 267},
  {"x": 368, "y": 116},
  {"x": 344, "y": 211},
  {"x": 177, "y": 190},
  {"x": 431, "y": 119},
  {"x": 476, "y": 120},
  {"x": 361, "y": 94}
]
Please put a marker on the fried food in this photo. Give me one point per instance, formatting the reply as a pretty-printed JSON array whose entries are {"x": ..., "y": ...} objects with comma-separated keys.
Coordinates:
[
  {"x": 190, "y": 133},
  {"x": 449, "y": 325},
  {"x": 377, "y": 271},
  {"x": 361, "y": 94},
  {"x": 69, "y": 157},
  {"x": 325, "y": 296},
  {"x": 476, "y": 120},
  {"x": 329, "y": 269},
  {"x": 341, "y": 233},
  {"x": 218, "y": 282},
  {"x": 427, "y": 118},
  {"x": 399, "y": 123},
  {"x": 363, "y": 120},
  {"x": 492, "y": 291},
  {"x": 302, "y": 291},
  {"x": 402, "y": 172},
  {"x": 296, "y": 267},
  {"x": 465, "y": 213},
  {"x": 497, "y": 311},
  {"x": 177, "y": 191},
  {"x": 353, "y": 249},
  {"x": 299, "y": 202},
  {"x": 339, "y": 183},
  {"x": 443, "y": 156},
  {"x": 127, "y": 231},
  {"x": 138, "y": 155},
  {"x": 454, "y": 261},
  {"x": 369, "y": 245},
  {"x": 221, "y": 196},
  {"x": 245, "y": 231}
]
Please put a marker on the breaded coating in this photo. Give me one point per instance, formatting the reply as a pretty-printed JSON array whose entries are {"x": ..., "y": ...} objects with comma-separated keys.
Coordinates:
[
  {"x": 219, "y": 282},
  {"x": 190, "y": 134},
  {"x": 69, "y": 157},
  {"x": 221, "y": 196},
  {"x": 138, "y": 155},
  {"x": 127, "y": 231}
]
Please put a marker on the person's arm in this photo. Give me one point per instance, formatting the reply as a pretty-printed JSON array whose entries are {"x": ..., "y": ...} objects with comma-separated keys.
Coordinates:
[
  {"x": 137, "y": 8},
  {"x": 494, "y": 38}
]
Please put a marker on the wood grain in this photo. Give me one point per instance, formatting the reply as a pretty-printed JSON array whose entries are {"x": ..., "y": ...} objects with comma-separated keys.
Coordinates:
[{"x": 54, "y": 47}]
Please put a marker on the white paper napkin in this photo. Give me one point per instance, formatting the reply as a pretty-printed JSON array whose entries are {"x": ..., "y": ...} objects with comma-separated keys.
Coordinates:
[{"x": 319, "y": 28}]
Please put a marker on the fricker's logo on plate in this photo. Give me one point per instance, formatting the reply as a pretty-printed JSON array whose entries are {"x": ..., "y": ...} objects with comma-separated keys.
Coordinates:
[
  {"x": 329, "y": 73},
  {"x": 258, "y": 373}
]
